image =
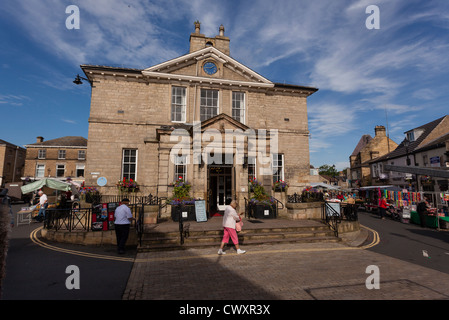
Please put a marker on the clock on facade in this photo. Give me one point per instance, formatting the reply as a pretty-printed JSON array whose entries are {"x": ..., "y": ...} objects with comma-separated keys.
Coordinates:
[{"x": 210, "y": 68}]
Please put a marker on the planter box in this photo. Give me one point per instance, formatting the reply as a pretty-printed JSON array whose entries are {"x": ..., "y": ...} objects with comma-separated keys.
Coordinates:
[
  {"x": 263, "y": 212},
  {"x": 176, "y": 211}
]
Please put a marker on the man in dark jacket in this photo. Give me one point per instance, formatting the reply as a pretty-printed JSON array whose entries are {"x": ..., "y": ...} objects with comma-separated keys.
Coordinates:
[{"x": 422, "y": 211}]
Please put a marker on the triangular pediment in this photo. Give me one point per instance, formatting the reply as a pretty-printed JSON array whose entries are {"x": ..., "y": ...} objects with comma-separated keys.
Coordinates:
[
  {"x": 222, "y": 122},
  {"x": 189, "y": 68}
]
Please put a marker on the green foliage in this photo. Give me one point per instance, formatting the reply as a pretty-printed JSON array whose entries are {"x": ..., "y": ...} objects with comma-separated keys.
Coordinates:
[{"x": 328, "y": 170}]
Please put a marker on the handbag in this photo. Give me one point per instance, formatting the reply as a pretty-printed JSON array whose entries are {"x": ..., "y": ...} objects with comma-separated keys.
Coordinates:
[{"x": 238, "y": 226}]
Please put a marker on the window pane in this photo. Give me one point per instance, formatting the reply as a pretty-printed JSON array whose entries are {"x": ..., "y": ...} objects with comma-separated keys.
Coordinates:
[
  {"x": 238, "y": 106},
  {"x": 209, "y": 104},
  {"x": 129, "y": 164},
  {"x": 178, "y": 109}
]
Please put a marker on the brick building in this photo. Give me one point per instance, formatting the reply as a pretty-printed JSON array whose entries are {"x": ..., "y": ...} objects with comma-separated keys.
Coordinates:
[
  {"x": 137, "y": 117},
  {"x": 12, "y": 162},
  {"x": 57, "y": 158},
  {"x": 368, "y": 149}
]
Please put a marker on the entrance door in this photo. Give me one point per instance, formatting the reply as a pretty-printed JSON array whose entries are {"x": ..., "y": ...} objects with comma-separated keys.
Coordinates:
[{"x": 220, "y": 183}]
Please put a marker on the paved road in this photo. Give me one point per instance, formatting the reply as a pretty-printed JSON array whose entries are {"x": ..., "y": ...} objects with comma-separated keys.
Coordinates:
[
  {"x": 34, "y": 272},
  {"x": 266, "y": 272},
  {"x": 409, "y": 242}
]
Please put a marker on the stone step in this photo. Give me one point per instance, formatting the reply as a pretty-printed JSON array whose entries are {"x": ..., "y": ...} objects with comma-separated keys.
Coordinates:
[
  {"x": 187, "y": 245},
  {"x": 171, "y": 240},
  {"x": 159, "y": 235}
]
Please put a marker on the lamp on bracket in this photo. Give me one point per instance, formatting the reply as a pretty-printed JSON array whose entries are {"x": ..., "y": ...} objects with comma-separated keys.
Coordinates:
[{"x": 78, "y": 81}]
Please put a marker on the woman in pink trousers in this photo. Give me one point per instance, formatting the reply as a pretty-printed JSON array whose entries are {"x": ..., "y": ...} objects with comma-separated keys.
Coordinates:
[{"x": 230, "y": 218}]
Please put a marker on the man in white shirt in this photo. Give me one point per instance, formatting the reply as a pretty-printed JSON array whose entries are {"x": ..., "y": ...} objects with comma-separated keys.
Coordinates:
[
  {"x": 123, "y": 217},
  {"x": 229, "y": 219},
  {"x": 43, "y": 203}
]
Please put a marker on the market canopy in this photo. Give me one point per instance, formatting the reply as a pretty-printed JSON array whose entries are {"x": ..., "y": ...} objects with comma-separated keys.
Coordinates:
[
  {"x": 324, "y": 185},
  {"x": 47, "y": 182},
  {"x": 390, "y": 188}
]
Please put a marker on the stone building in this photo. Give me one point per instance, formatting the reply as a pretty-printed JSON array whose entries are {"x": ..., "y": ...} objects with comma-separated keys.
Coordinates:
[
  {"x": 420, "y": 161},
  {"x": 57, "y": 158},
  {"x": 368, "y": 149},
  {"x": 12, "y": 162},
  {"x": 203, "y": 102}
]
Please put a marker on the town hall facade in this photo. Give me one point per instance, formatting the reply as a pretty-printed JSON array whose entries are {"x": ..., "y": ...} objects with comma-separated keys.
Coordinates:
[{"x": 201, "y": 103}]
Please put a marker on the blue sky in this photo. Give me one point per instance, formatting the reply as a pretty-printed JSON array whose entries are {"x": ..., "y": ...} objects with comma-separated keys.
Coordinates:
[{"x": 400, "y": 70}]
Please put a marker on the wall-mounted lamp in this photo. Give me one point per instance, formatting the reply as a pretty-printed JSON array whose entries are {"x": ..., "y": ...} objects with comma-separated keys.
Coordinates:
[{"x": 78, "y": 80}]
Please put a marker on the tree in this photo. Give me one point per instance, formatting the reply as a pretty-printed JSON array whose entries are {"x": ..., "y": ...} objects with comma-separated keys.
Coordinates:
[{"x": 328, "y": 170}]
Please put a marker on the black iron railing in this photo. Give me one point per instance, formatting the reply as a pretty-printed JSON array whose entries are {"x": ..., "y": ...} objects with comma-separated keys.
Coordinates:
[
  {"x": 75, "y": 219},
  {"x": 333, "y": 217},
  {"x": 305, "y": 197}
]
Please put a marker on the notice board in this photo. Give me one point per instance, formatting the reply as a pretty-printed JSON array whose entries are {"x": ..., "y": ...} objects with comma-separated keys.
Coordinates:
[{"x": 200, "y": 211}]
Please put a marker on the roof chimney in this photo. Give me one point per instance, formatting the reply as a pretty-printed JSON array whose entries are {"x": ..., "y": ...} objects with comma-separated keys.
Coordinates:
[
  {"x": 380, "y": 131},
  {"x": 222, "y": 30},
  {"x": 39, "y": 139}
]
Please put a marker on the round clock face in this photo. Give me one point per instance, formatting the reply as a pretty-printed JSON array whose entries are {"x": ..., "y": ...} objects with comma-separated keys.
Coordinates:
[{"x": 210, "y": 68}]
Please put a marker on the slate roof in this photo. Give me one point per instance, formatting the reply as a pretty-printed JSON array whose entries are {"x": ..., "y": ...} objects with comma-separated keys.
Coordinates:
[
  {"x": 364, "y": 140},
  {"x": 401, "y": 150},
  {"x": 68, "y": 141}
]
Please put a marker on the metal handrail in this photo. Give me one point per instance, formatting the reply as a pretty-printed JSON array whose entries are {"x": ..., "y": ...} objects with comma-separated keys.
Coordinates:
[{"x": 331, "y": 217}]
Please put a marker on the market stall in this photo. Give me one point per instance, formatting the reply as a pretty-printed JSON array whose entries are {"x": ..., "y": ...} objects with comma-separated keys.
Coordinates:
[
  {"x": 49, "y": 186},
  {"x": 405, "y": 203}
]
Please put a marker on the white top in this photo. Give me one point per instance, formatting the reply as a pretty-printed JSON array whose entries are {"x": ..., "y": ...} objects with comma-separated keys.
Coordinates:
[
  {"x": 230, "y": 217},
  {"x": 43, "y": 199},
  {"x": 123, "y": 214}
]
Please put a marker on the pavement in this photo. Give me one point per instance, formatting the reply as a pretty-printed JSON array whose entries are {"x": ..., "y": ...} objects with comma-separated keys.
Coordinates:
[
  {"x": 312, "y": 271},
  {"x": 347, "y": 270}
]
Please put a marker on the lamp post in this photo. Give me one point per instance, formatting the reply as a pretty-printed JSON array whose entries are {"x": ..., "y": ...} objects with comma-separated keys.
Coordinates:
[
  {"x": 407, "y": 144},
  {"x": 408, "y": 162}
]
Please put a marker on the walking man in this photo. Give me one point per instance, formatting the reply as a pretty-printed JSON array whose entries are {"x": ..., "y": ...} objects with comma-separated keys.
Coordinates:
[
  {"x": 422, "y": 211},
  {"x": 43, "y": 202},
  {"x": 229, "y": 219},
  {"x": 123, "y": 217}
]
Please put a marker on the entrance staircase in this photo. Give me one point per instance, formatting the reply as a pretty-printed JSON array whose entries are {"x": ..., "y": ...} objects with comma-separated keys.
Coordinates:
[{"x": 166, "y": 236}]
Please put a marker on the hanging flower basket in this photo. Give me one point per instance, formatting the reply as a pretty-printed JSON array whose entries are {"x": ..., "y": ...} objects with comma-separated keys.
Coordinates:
[
  {"x": 280, "y": 186},
  {"x": 128, "y": 186}
]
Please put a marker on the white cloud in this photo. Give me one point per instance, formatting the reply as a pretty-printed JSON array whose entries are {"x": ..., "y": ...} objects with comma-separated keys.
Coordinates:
[{"x": 12, "y": 99}]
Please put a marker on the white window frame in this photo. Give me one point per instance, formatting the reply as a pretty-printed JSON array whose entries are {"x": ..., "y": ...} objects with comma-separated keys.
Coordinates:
[
  {"x": 80, "y": 167},
  {"x": 180, "y": 163},
  {"x": 252, "y": 162},
  {"x": 42, "y": 167},
  {"x": 135, "y": 163},
  {"x": 207, "y": 103},
  {"x": 62, "y": 154},
  {"x": 275, "y": 166},
  {"x": 58, "y": 167},
  {"x": 83, "y": 153},
  {"x": 42, "y": 153},
  {"x": 242, "y": 103},
  {"x": 175, "y": 105}
]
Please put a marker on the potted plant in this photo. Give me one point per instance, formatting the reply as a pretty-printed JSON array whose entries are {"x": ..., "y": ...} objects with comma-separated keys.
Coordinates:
[
  {"x": 181, "y": 201},
  {"x": 89, "y": 194},
  {"x": 261, "y": 204},
  {"x": 280, "y": 186},
  {"x": 252, "y": 183},
  {"x": 310, "y": 194}
]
